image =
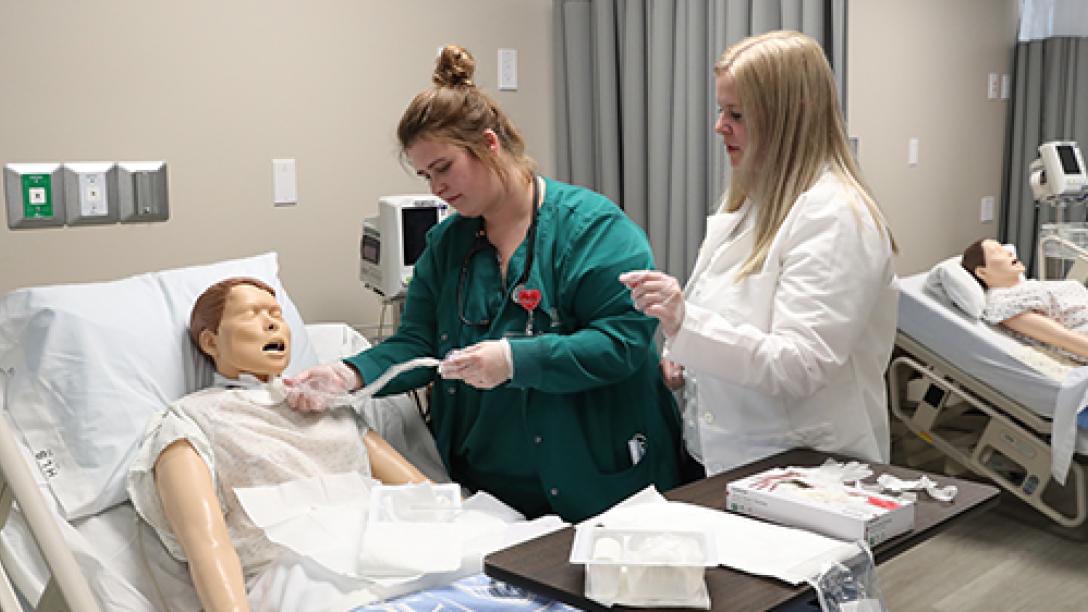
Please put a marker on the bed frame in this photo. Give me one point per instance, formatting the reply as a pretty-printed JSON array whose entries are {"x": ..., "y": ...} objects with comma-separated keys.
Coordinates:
[
  {"x": 67, "y": 588},
  {"x": 933, "y": 397}
]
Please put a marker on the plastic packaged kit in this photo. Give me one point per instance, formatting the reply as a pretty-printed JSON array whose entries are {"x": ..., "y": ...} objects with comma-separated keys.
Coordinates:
[
  {"x": 429, "y": 503},
  {"x": 645, "y": 567},
  {"x": 850, "y": 586}
]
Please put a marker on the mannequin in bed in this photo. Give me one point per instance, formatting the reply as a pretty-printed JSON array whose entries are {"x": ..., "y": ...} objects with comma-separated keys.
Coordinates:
[
  {"x": 243, "y": 428},
  {"x": 1049, "y": 313}
]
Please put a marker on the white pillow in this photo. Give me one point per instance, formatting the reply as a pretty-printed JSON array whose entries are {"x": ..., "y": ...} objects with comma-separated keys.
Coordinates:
[
  {"x": 88, "y": 364},
  {"x": 948, "y": 278}
]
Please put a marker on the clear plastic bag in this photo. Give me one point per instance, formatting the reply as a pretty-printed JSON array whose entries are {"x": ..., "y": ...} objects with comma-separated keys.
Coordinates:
[{"x": 850, "y": 586}]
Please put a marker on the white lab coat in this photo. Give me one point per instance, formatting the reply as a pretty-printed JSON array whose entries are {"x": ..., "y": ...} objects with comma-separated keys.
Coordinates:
[{"x": 794, "y": 355}]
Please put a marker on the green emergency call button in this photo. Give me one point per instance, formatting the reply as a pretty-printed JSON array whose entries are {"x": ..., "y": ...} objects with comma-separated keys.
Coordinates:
[{"x": 37, "y": 196}]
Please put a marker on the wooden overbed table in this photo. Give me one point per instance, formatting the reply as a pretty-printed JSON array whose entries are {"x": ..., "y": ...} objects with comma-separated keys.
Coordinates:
[{"x": 540, "y": 565}]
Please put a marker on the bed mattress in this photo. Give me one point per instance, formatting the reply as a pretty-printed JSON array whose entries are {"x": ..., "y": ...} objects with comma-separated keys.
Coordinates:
[{"x": 978, "y": 349}]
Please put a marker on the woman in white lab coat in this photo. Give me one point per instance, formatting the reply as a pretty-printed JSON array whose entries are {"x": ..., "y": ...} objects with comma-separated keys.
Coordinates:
[{"x": 783, "y": 333}]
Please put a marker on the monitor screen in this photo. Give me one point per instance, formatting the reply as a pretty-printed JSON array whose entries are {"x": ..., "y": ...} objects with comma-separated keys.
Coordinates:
[
  {"x": 415, "y": 222},
  {"x": 1069, "y": 160}
]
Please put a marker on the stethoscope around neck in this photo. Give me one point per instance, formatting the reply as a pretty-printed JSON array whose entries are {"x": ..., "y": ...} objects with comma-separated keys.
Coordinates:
[{"x": 481, "y": 243}]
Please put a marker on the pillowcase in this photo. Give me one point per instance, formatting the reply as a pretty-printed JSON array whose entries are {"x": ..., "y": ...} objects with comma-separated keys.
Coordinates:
[
  {"x": 948, "y": 278},
  {"x": 88, "y": 364}
]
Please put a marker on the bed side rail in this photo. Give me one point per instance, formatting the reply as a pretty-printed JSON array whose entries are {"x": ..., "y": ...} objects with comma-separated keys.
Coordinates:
[
  {"x": 1001, "y": 435},
  {"x": 67, "y": 588}
]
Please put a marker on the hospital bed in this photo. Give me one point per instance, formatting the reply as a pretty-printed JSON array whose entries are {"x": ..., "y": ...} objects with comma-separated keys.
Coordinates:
[
  {"x": 995, "y": 406},
  {"x": 68, "y": 543}
]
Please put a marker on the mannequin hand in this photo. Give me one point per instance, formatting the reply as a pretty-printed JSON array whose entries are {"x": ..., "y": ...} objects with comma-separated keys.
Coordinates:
[
  {"x": 484, "y": 365},
  {"x": 317, "y": 388},
  {"x": 658, "y": 295},
  {"x": 673, "y": 373}
]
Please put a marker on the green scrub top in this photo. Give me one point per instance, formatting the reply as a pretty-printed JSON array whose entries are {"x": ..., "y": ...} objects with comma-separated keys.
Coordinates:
[{"x": 586, "y": 398}]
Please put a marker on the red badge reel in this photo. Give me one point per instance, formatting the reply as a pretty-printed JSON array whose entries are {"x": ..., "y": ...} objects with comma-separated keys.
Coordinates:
[{"x": 528, "y": 299}]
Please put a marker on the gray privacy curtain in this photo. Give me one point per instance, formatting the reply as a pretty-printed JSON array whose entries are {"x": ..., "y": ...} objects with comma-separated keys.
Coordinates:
[
  {"x": 636, "y": 104},
  {"x": 1050, "y": 102}
]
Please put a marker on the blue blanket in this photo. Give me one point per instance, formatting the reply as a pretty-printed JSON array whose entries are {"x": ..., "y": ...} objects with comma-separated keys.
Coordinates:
[{"x": 478, "y": 593}]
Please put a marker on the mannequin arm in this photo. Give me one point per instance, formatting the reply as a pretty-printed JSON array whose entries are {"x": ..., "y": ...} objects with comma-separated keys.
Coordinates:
[
  {"x": 1048, "y": 330},
  {"x": 387, "y": 465},
  {"x": 192, "y": 509}
]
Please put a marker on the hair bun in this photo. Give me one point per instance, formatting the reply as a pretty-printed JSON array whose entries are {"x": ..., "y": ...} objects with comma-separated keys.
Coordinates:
[{"x": 454, "y": 68}]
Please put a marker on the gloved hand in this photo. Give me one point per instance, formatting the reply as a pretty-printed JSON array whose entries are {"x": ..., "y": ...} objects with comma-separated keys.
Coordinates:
[
  {"x": 484, "y": 365},
  {"x": 658, "y": 295},
  {"x": 673, "y": 373},
  {"x": 318, "y": 388}
]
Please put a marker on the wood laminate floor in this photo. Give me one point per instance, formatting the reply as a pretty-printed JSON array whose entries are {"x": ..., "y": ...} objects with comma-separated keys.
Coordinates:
[{"x": 995, "y": 561}]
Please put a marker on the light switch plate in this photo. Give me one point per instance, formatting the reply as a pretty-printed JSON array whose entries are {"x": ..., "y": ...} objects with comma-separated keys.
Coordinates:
[
  {"x": 986, "y": 209},
  {"x": 284, "y": 182},
  {"x": 508, "y": 69},
  {"x": 90, "y": 192}
]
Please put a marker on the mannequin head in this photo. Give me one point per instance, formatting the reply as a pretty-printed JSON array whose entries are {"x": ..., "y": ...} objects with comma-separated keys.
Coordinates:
[
  {"x": 991, "y": 264},
  {"x": 238, "y": 324}
]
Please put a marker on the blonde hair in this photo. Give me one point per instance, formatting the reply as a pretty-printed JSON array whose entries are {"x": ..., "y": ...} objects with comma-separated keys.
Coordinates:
[
  {"x": 457, "y": 112},
  {"x": 795, "y": 130}
]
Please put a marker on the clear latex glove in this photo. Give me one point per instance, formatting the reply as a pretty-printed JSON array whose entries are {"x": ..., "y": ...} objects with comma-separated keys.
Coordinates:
[
  {"x": 673, "y": 373},
  {"x": 484, "y": 365},
  {"x": 318, "y": 388},
  {"x": 658, "y": 295}
]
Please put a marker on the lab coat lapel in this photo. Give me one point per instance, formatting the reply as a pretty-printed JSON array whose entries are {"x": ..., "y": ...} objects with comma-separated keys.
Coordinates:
[{"x": 721, "y": 251}]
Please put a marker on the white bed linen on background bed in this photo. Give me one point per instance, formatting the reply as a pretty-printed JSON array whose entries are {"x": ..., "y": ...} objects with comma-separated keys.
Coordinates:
[{"x": 992, "y": 357}]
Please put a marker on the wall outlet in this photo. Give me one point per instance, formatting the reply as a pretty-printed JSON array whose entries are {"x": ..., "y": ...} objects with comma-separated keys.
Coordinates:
[
  {"x": 993, "y": 86},
  {"x": 986, "y": 209},
  {"x": 90, "y": 190}
]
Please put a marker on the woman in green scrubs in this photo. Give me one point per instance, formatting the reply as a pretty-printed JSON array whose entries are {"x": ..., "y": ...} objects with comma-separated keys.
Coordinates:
[{"x": 550, "y": 396}]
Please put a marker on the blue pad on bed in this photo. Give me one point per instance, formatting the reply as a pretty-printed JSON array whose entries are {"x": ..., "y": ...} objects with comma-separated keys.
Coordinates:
[{"x": 478, "y": 593}]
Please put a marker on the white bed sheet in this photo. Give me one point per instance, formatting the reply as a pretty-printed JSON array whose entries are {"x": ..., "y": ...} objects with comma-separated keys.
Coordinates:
[
  {"x": 978, "y": 349},
  {"x": 111, "y": 546}
]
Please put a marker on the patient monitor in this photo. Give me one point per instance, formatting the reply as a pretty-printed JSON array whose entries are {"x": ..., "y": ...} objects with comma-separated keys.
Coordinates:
[
  {"x": 1059, "y": 170},
  {"x": 391, "y": 242}
]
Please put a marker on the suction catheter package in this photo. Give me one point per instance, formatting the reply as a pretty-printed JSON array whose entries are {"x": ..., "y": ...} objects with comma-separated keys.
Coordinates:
[
  {"x": 850, "y": 585},
  {"x": 645, "y": 568}
]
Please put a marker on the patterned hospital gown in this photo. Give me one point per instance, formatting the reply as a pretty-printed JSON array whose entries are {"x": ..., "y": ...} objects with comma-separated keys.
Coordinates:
[
  {"x": 248, "y": 436},
  {"x": 1063, "y": 301}
]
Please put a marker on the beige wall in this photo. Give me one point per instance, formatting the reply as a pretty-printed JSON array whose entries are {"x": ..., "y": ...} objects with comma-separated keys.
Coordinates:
[
  {"x": 219, "y": 89},
  {"x": 919, "y": 69}
]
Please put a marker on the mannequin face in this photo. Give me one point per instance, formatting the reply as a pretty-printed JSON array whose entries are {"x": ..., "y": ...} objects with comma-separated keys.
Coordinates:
[
  {"x": 730, "y": 118},
  {"x": 252, "y": 337},
  {"x": 458, "y": 177},
  {"x": 1001, "y": 269}
]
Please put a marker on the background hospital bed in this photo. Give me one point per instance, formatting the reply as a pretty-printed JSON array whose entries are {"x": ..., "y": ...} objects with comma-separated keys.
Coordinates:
[
  {"x": 111, "y": 546},
  {"x": 958, "y": 385}
]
